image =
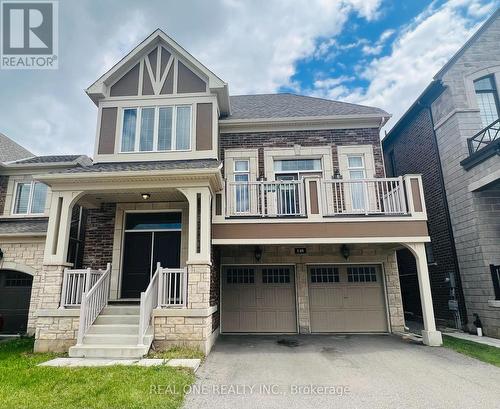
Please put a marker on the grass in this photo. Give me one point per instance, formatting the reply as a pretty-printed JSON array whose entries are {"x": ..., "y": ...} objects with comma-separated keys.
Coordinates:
[
  {"x": 25, "y": 385},
  {"x": 482, "y": 352},
  {"x": 178, "y": 352}
]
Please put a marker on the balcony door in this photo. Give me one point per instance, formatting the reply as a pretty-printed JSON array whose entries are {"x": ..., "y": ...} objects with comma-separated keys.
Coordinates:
[
  {"x": 149, "y": 238},
  {"x": 356, "y": 169}
]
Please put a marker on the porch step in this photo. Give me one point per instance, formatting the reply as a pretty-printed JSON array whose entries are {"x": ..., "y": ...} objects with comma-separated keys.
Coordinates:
[
  {"x": 129, "y": 329},
  {"x": 121, "y": 310},
  {"x": 108, "y": 351},
  {"x": 117, "y": 319}
]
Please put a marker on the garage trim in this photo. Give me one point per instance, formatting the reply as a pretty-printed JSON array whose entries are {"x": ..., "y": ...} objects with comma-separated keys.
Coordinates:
[
  {"x": 367, "y": 263},
  {"x": 221, "y": 298}
]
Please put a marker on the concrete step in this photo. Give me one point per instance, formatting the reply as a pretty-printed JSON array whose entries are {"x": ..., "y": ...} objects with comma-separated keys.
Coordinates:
[
  {"x": 120, "y": 310},
  {"x": 129, "y": 329},
  {"x": 117, "y": 319},
  {"x": 110, "y": 339},
  {"x": 108, "y": 351}
]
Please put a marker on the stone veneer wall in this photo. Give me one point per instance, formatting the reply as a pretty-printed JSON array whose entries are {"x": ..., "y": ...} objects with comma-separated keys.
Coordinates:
[
  {"x": 25, "y": 255},
  {"x": 56, "y": 333},
  {"x": 325, "y": 253},
  {"x": 282, "y": 139},
  {"x": 99, "y": 233}
]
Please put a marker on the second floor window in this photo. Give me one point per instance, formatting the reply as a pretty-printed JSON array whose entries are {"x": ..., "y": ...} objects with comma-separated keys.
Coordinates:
[
  {"x": 487, "y": 99},
  {"x": 242, "y": 192},
  {"x": 30, "y": 198},
  {"x": 151, "y": 129}
]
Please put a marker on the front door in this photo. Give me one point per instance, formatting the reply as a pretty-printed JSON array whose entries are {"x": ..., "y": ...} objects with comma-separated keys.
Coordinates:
[{"x": 149, "y": 238}]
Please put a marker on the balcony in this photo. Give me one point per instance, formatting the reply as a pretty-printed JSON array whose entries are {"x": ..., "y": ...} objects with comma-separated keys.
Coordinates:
[
  {"x": 287, "y": 199},
  {"x": 483, "y": 145},
  {"x": 317, "y": 210}
]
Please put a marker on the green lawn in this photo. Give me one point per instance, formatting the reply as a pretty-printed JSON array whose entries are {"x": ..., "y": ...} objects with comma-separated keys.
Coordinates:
[
  {"x": 178, "y": 352},
  {"x": 482, "y": 352},
  {"x": 24, "y": 385}
]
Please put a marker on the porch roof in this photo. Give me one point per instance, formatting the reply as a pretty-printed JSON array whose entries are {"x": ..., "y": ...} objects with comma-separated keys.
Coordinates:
[{"x": 23, "y": 227}]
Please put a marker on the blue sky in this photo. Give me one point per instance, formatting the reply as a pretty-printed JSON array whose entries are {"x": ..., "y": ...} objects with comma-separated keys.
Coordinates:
[{"x": 374, "y": 52}]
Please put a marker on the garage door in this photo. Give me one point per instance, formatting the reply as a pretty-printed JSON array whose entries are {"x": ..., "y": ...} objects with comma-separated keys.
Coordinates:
[
  {"x": 258, "y": 299},
  {"x": 15, "y": 292},
  {"x": 347, "y": 299}
]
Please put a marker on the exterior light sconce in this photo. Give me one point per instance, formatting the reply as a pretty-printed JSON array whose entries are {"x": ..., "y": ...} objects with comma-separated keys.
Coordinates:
[
  {"x": 336, "y": 174},
  {"x": 145, "y": 196},
  {"x": 345, "y": 251},
  {"x": 257, "y": 253},
  {"x": 1, "y": 254}
]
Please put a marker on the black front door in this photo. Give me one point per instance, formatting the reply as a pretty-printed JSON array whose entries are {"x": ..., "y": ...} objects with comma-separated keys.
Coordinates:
[{"x": 142, "y": 250}]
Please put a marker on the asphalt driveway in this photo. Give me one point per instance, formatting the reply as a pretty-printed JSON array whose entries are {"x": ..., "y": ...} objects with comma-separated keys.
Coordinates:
[{"x": 326, "y": 371}]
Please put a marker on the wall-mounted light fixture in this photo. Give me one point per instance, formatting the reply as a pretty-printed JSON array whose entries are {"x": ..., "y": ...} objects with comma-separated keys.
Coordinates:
[
  {"x": 345, "y": 251},
  {"x": 145, "y": 196},
  {"x": 336, "y": 174},
  {"x": 1, "y": 254},
  {"x": 257, "y": 253}
]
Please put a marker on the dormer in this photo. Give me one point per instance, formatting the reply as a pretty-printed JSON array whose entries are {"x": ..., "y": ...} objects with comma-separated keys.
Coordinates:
[{"x": 158, "y": 103}]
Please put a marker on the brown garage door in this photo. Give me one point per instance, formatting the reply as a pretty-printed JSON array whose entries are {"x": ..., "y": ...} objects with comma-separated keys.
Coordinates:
[
  {"x": 346, "y": 298},
  {"x": 258, "y": 299}
]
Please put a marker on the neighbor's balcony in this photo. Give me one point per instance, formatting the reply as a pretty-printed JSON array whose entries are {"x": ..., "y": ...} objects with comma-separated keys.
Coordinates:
[
  {"x": 483, "y": 145},
  {"x": 313, "y": 196}
]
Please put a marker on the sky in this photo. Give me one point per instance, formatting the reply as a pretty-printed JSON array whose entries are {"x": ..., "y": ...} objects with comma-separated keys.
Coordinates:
[{"x": 380, "y": 53}]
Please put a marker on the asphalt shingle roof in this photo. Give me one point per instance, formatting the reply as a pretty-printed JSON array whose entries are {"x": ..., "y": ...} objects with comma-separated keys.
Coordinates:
[
  {"x": 49, "y": 159},
  {"x": 20, "y": 226},
  {"x": 10, "y": 150},
  {"x": 141, "y": 166},
  {"x": 270, "y": 106}
]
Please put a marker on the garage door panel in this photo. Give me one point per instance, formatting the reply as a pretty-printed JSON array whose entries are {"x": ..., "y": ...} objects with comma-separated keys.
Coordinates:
[
  {"x": 326, "y": 297},
  {"x": 266, "y": 303},
  {"x": 355, "y": 302}
]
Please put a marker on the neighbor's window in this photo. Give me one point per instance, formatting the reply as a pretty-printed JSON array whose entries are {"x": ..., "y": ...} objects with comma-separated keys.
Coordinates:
[
  {"x": 152, "y": 129},
  {"x": 487, "y": 99},
  {"x": 30, "y": 198}
]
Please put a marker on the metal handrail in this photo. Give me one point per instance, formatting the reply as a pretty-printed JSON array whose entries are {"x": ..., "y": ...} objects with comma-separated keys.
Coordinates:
[{"x": 484, "y": 137}]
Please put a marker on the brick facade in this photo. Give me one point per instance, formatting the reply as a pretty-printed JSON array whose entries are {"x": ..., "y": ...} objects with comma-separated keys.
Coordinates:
[
  {"x": 4, "y": 180},
  {"x": 413, "y": 149},
  {"x": 99, "y": 234},
  {"x": 283, "y": 139}
]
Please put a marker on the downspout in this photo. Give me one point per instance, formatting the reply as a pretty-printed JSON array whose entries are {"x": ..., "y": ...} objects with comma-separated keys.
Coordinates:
[{"x": 458, "y": 278}]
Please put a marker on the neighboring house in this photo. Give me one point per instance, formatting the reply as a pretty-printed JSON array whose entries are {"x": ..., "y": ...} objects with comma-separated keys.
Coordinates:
[
  {"x": 11, "y": 151},
  {"x": 24, "y": 211},
  {"x": 266, "y": 214},
  {"x": 451, "y": 135}
]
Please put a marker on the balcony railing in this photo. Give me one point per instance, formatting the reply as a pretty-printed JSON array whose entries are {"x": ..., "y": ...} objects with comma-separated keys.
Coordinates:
[
  {"x": 316, "y": 197},
  {"x": 75, "y": 283},
  {"x": 363, "y": 196},
  {"x": 484, "y": 137},
  {"x": 266, "y": 199},
  {"x": 172, "y": 291}
]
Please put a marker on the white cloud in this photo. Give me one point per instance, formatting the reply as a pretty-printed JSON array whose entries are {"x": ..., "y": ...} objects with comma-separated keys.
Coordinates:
[{"x": 418, "y": 52}]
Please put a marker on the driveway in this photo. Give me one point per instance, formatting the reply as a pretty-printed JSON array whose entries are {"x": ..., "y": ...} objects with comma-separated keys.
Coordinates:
[{"x": 361, "y": 371}]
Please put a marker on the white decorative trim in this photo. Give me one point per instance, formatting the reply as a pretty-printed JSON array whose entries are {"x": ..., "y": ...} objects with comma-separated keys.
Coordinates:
[
  {"x": 68, "y": 312},
  {"x": 324, "y": 240},
  {"x": 184, "y": 312}
]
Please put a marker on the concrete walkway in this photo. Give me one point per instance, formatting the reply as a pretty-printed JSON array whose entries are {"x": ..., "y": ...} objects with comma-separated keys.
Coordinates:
[
  {"x": 81, "y": 362},
  {"x": 493, "y": 342},
  {"x": 315, "y": 371}
]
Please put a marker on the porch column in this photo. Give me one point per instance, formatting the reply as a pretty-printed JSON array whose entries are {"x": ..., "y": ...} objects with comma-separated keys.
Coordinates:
[
  {"x": 200, "y": 225},
  {"x": 430, "y": 335}
]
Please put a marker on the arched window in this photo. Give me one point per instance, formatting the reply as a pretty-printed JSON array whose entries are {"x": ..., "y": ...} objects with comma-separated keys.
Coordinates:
[{"x": 487, "y": 99}]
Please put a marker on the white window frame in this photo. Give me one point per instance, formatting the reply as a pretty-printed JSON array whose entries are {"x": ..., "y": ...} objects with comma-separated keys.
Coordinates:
[
  {"x": 30, "y": 198},
  {"x": 299, "y": 173},
  {"x": 156, "y": 124},
  {"x": 356, "y": 168}
]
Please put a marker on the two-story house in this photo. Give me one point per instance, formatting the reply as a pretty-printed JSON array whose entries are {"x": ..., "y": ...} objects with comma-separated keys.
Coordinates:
[
  {"x": 209, "y": 213},
  {"x": 451, "y": 135}
]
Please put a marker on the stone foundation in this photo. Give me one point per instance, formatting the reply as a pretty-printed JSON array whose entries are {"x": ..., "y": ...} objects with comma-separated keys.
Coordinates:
[
  {"x": 56, "y": 331},
  {"x": 187, "y": 327}
]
